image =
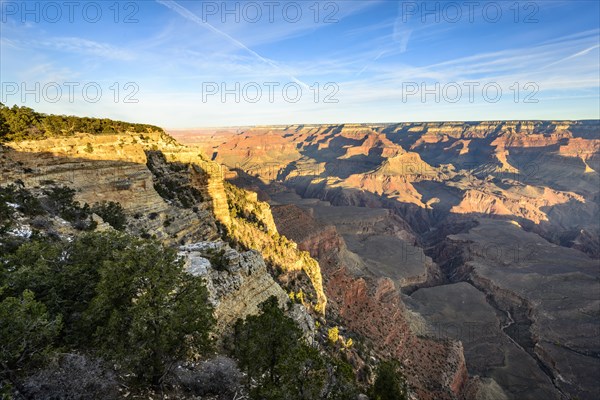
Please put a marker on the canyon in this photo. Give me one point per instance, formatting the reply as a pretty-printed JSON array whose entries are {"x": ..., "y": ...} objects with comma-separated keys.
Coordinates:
[{"x": 468, "y": 251}]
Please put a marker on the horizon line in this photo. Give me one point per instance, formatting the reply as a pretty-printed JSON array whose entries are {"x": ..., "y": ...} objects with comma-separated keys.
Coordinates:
[{"x": 378, "y": 123}]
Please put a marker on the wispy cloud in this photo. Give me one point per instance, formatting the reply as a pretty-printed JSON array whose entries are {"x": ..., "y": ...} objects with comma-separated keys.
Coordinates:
[
  {"x": 402, "y": 30},
  {"x": 184, "y": 12},
  {"x": 74, "y": 45}
]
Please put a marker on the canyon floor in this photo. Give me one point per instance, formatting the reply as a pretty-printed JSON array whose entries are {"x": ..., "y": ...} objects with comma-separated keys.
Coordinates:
[{"x": 489, "y": 232}]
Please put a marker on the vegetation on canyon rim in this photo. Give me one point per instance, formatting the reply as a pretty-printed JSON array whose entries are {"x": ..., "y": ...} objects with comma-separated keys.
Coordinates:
[
  {"x": 104, "y": 294},
  {"x": 126, "y": 300},
  {"x": 23, "y": 123},
  {"x": 102, "y": 314}
]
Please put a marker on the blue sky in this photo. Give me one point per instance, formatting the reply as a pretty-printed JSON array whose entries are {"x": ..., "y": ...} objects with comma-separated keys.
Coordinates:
[{"x": 184, "y": 64}]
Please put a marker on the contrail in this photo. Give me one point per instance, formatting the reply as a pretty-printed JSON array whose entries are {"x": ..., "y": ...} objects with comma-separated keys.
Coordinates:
[
  {"x": 184, "y": 12},
  {"x": 581, "y": 53}
]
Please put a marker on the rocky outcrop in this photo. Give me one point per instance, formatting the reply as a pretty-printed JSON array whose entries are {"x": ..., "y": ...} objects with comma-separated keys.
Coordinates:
[
  {"x": 168, "y": 191},
  {"x": 111, "y": 168},
  {"x": 252, "y": 225},
  {"x": 237, "y": 281},
  {"x": 435, "y": 369}
]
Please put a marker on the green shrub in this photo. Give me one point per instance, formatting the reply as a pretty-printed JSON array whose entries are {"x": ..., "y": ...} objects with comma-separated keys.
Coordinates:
[
  {"x": 63, "y": 276},
  {"x": 61, "y": 201},
  {"x": 112, "y": 213},
  {"x": 115, "y": 293},
  {"x": 389, "y": 383},
  {"x": 27, "y": 331},
  {"x": 27, "y": 203},
  {"x": 171, "y": 180},
  {"x": 146, "y": 301},
  {"x": 279, "y": 364}
]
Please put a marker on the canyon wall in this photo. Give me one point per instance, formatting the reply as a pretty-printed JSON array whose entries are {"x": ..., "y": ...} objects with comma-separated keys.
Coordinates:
[
  {"x": 168, "y": 191},
  {"x": 490, "y": 224}
]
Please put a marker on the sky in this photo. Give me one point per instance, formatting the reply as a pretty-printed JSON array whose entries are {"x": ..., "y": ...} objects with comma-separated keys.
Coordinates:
[{"x": 187, "y": 64}]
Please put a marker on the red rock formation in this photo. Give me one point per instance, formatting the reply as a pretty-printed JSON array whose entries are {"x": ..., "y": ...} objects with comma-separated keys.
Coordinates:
[{"x": 373, "y": 309}]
